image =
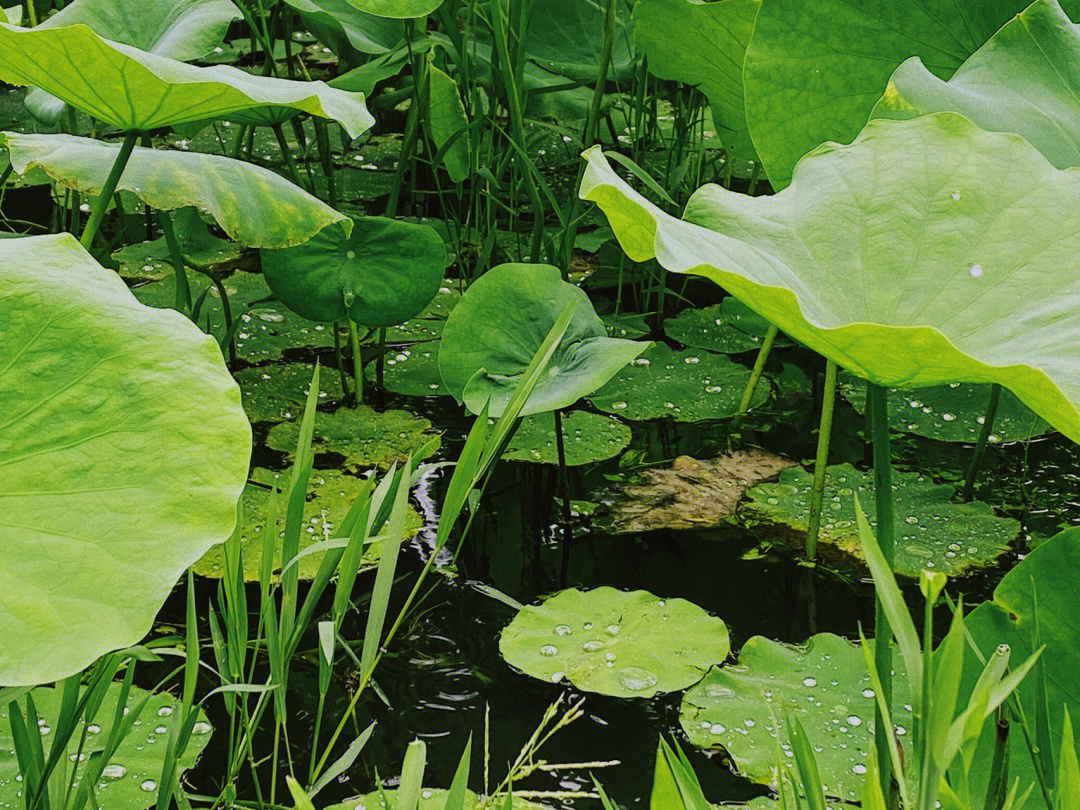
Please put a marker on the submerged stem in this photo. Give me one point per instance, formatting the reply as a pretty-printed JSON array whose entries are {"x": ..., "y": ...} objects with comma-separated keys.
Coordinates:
[
  {"x": 982, "y": 441},
  {"x": 358, "y": 365},
  {"x": 821, "y": 460},
  {"x": 97, "y": 211}
]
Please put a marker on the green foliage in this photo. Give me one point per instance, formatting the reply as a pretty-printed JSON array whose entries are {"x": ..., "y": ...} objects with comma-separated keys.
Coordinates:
[
  {"x": 729, "y": 327},
  {"x": 589, "y": 437}
]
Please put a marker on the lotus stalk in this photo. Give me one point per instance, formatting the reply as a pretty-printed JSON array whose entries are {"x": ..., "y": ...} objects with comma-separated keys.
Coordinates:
[
  {"x": 759, "y": 369},
  {"x": 984, "y": 439},
  {"x": 97, "y": 210},
  {"x": 821, "y": 460}
]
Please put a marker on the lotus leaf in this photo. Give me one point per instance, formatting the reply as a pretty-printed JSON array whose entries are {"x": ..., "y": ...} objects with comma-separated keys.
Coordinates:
[
  {"x": 136, "y": 91},
  {"x": 920, "y": 240},
  {"x": 814, "y": 71},
  {"x": 824, "y": 684},
  {"x": 686, "y": 386},
  {"x": 431, "y": 799},
  {"x": 253, "y": 205},
  {"x": 397, "y": 9},
  {"x": 345, "y": 28},
  {"x": 152, "y": 261},
  {"x": 931, "y": 531},
  {"x": 446, "y": 118},
  {"x": 588, "y": 437},
  {"x": 330, "y": 494},
  {"x": 381, "y": 274},
  {"x": 950, "y": 413},
  {"x": 416, "y": 330},
  {"x": 619, "y": 643},
  {"x": 495, "y": 330},
  {"x": 729, "y": 327},
  {"x": 277, "y": 392},
  {"x": 412, "y": 371},
  {"x": 129, "y": 780},
  {"x": 124, "y": 450},
  {"x": 566, "y": 38},
  {"x": 702, "y": 44},
  {"x": 1025, "y": 79},
  {"x": 365, "y": 437}
]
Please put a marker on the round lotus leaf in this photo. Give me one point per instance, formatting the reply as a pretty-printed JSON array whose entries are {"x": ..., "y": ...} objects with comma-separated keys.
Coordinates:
[
  {"x": 805, "y": 84},
  {"x": 588, "y": 437},
  {"x": 330, "y": 495},
  {"x": 124, "y": 449},
  {"x": 381, "y": 274},
  {"x": 1025, "y": 80},
  {"x": 900, "y": 285},
  {"x": 431, "y": 799},
  {"x": 619, "y": 643},
  {"x": 364, "y": 436},
  {"x": 269, "y": 329},
  {"x": 130, "y": 779},
  {"x": 729, "y": 327},
  {"x": 824, "y": 684},
  {"x": 687, "y": 386},
  {"x": 501, "y": 322},
  {"x": 412, "y": 371},
  {"x": 278, "y": 392},
  {"x": 950, "y": 413},
  {"x": 235, "y": 194},
  {"x": 932, "y": 531}
]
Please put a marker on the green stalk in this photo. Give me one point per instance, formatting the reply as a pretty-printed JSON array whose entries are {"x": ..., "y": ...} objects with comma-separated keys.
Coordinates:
[
  {"x": 564, "y": 486},
  {"x": 290, "y": 162},
  {"x": 358, "y": 365},
  {"x": 339, "y": 362},
  {"x": 97, "y": 212},
  {"x": 183, "y": 289},
  {"x": 883, "y": 499},
  {"x": 759, "y": 368},
  {"x": 982, "y": 441},
  {"x": 821, "y": 460},
  {"x": 322, "y": 141}
]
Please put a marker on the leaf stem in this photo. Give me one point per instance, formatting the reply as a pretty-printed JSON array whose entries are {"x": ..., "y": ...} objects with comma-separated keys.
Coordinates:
[
  {"x": 759, "y": 368},
  {"x": 97, "y": 212},
  {"x": 821, "y": 460},
  {"x": 981, "y": 442},
  {"x": 183, "y": 289},
  {"x": 358, "y": 365}
]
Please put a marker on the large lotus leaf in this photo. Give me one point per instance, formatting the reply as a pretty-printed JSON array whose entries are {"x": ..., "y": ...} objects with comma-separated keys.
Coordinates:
[
  {"x": 124, "y": 450},
  {"x": 152, "y": 261},
  {"x": 269, "y": 329},
  {"x": 687, "y": 386},
  {"x": 364, "y": 436},
  {"x": 814, "y": 71},
  {"x": 702, "y": 44},
  {"x": 502, "y": 320},
  {"x": 253, "y": 205},
  {"x": 1048, "y": 578},
  {"x": 344, "y": 27},
  {"x": 950, "y": 413},
  {"x": 931, "y": 530},
  {"x": 917, "y": 256},
  {"x": 620, "y": 643},
  {"x": 330, "y": 495},
  {"x": 729, "y": 327},
  {"x": 566, "y": 37},
  {"x": 381, "y": 274},
  {"x": 397, "y": 9},
  {"x": 134, "y": 90},
  {"x": 588, "y": 437},
  {"x": 432, "y": 799},
  {"x": 130, "y": 779},
  {"x": 277, "y": 392},
  {"x": 1025, "y": 79},
  {"x": 824, "y": 684}
]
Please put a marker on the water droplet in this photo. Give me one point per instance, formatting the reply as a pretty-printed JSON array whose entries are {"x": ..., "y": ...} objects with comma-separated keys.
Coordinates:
[
  {"x": 592, "y": 645},
  {"x": 691, "y": 360},
  {"x": 716, "y": 728},
  {"x": 858, "y": 768},
  {"x": 956, "y": 195},
  {"x": 948, "y": 417},
  {"x": 549, "y": 650},
  {"x": 613, "y": 629},
  {"x": 867, "y": 693},
  {"x": 201, "y": 728},
  {"x": 854, "y": 720},
  {"x": 148, "y": 785},
  {"x": 809, "y": 682},
  {"x": 637, "y": 679},
  {"x": 114, "y": 771},
  {"x": 975, "y": 269},
  {"x": 620, "y": 405},
  {"x": 556, "y": 677}
]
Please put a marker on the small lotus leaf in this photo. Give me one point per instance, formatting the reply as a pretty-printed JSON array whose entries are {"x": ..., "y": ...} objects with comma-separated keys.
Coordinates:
[
  {"x": 588, "y": 437},
  {"x": 124, "y": 450},
  {"x": 859, "y": 261},
  {"x": 502, "y": 320},
  {"x": 931, "y": 531},
  {"x": 130, "y": 779},
  {"x": 824, "y": 684},
  {"x": 381, "y": 274},
  {"x": 366, "y": 437},
  {"x": 136, "y": 91},
  {"x": 619, "y": 643},
  {"x": 277, "y": 392},
  {"x": 950, "y": 413},
  {"x": 687, "y": 386},
  {"x": 729, "y": 327},
  {"x": 255, "y": 206},
  {"x": 413, "y": 370}
]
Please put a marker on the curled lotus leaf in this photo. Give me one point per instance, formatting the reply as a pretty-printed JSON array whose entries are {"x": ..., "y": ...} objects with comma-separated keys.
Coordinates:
[{"x": 916, "y": 256}]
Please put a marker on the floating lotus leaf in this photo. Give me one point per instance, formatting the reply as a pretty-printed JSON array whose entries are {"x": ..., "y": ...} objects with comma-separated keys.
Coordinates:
[
  {"x": 431, "y": 799},
  {"x": 702, "y": 44},
  {"x": 814, "y": 71},
  {"x": 269, "y": 328},
  {"x": 416, "y": 330},
  {"x": 381, "y": 274},
  {"x": 330, "y": 494},
  {"x": 134, "y": 90},
  {"x": 824, "y": 684},
  {"x": 1048, "y": 577},
  {"x": 277, "y": 392},
  {"x": 255, "y": 206},
  {"x": 950, "y": 413},
  {"x": 366, "y": 437},
  {"x": 152, "y": 261},
  {"x": 345, "y": 28},
  {"x": 122, "y": 463},
  {"x": 931, "y": 530},
  {"x": 1025, "y": 79},
  {"x": 130, "y": 779},
  {"x": 921, "y": 241},
  {"x": 412, "y": 371},
  {"x": 495, "y": 330},
  {"x": 687, "y": 386},
  {"x": 588, "y": 437},
  {"x": 729, "y": 327},
  {"x": 620, "y": 643}
]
